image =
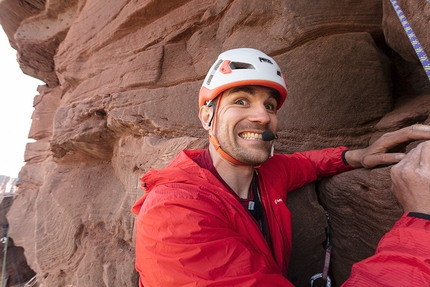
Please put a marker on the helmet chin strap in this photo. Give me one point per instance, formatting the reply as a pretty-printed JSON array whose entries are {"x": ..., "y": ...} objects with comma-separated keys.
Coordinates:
[
  {"x": 214, "y": 141},
  {"x": 225, "y": 155}
]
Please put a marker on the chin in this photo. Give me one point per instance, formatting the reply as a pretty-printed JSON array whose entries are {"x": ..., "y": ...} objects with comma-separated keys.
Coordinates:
[{"x": 256, "y": 160}]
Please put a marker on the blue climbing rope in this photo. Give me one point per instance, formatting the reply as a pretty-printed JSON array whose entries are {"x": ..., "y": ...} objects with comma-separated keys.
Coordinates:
[{"x": 412, "y": 37}]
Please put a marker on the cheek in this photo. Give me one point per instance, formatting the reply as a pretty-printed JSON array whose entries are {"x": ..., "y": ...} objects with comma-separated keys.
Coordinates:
[
  {"x": 274, "y": 121},
  {"x": 226, "y": 119},
  {"x": 225, "y": 129}
]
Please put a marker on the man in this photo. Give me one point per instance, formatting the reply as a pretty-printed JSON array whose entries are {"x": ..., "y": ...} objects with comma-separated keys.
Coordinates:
[{"x": 217, "y": 217}]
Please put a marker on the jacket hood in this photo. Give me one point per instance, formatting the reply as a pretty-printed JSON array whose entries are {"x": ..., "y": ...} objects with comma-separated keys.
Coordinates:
[{"x": 182, "y": 169}]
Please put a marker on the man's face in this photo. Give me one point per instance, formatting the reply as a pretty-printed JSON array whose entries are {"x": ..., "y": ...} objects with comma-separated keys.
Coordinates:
[{"x": 243, "y": 114}]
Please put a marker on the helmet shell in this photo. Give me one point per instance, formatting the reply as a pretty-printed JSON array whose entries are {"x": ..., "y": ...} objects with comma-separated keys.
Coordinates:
[{"x": 242, "y": 67}]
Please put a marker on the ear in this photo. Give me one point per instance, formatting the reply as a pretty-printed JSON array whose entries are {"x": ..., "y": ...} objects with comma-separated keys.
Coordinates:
[{"x": 205, "y": 116}]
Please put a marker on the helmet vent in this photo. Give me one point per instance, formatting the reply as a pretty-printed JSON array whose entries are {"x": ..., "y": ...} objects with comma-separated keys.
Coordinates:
[
  {"x": 208, "y": 82},
  {"x": 279, "y": 73},
  {"x": 240, "y": 65}
]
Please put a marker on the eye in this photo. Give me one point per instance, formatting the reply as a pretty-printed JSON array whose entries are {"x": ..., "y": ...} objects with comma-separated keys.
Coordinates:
[
  {"x": 271, "y": 107},
  {"x": 241, "y": 102}
]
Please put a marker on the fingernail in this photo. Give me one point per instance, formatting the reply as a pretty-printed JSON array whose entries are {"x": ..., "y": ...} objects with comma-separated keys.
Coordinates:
[{"x": 399, "y": 157}]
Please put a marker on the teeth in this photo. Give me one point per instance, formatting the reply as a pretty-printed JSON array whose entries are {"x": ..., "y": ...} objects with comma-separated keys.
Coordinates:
[{"x": 251, "y": 136}]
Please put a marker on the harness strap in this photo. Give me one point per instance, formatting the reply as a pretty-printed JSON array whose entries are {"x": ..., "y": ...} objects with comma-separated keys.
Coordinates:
[
  {"x": 214, "y": 140},
  {"x": 328, "y": 247},
  {"x": 258, "y": 210},
  {"x": 412, "y": 37},
  {"x": 225, "y": 155}
]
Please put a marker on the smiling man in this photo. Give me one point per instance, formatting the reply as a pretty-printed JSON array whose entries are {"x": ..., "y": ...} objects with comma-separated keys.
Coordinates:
[
  {"x": 246, "y": 112},
  {"x": 217, "y": 217}
]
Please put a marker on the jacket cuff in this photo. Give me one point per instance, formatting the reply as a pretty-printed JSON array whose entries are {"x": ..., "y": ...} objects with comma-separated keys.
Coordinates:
[
  {"x": 419, "y": 215},
  {"x": 344, "y": 158}
]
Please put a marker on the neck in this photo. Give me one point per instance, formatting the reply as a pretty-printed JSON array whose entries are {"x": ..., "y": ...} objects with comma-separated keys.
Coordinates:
[{"x": 238, "y": 177}]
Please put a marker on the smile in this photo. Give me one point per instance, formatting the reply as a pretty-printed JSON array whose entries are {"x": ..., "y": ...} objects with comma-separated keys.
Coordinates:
[{"x": 250, "y": 136}]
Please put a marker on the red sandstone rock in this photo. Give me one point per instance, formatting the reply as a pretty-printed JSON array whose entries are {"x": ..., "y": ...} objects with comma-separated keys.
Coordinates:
[{"x": 122, "y": 79}]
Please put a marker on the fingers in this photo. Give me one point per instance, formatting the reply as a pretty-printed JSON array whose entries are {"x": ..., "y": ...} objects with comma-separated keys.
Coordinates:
[
  {"x": 375, "y": 154},
  {"x": 414, "y": 132},
  {"x": 425, "y": 154},
  {"x": 423, "y": 128},
  {"x": 373, "y": 160},
  {"x": 419, "y": 156},
  {"x": 413, "y": 158},
  {"x": 411, "y": 179},
  {"x": 407, "y": 163}
]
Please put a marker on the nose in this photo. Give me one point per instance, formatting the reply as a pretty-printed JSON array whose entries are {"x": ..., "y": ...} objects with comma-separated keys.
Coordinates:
[{"x": 259, "y": 114}]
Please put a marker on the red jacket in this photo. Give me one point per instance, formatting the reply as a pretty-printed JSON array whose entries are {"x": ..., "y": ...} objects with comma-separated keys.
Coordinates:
[
  {"x": 401, "y": 259},
  {"x": 191, "y": 231}
]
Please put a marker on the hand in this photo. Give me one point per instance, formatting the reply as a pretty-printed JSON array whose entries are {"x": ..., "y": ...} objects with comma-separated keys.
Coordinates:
[
  {"x": 411, "y": 180},
  {"x": 375, "y": 154}
]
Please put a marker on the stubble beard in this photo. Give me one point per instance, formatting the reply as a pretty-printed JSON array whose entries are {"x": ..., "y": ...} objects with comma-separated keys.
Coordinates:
[{"x": 250, "y": 156}]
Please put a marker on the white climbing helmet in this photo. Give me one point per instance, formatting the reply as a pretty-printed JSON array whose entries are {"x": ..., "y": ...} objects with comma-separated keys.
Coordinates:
[{"x": 241, "y": 67}]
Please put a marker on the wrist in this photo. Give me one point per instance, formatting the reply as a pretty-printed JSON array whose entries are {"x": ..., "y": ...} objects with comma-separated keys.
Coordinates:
[{"x": 353, "y": 158}]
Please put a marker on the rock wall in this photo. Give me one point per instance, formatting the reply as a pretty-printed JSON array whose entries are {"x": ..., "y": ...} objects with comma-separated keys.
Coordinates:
[{"x": 122, "y": 79}]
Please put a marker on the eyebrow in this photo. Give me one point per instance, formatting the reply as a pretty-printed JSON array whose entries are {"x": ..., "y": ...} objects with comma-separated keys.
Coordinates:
[
  {"x": 246, "y": 89},
  {"x": 250, "y": 90}
]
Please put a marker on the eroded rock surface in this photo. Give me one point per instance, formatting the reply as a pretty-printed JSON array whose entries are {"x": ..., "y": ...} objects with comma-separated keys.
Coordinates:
[{"x": 122, "y": 79}]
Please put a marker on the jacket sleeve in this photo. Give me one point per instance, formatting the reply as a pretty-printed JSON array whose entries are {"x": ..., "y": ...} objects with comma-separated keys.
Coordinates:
[
  {"x": 402, "y": 257},
  {"x": 189, "y": 242},
  {"x": 329, "y": 161}
]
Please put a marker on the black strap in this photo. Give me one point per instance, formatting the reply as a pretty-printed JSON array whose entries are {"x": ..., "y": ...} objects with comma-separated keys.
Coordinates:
[
  {"x": 345, "y": 162},
  {"x": 419, "y": 215},
  {"x": 257, "y": 210},
  {"x": 255, "y": 207},
  {"x": 328, "y": 248}
]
